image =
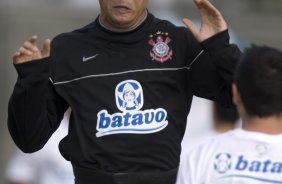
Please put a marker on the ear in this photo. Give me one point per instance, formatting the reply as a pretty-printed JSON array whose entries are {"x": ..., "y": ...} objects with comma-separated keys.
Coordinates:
[{"x": 236, "y": 95}]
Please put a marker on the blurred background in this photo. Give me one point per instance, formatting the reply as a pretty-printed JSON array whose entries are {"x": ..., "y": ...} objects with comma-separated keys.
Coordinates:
[{"x": 251, "y": 21}]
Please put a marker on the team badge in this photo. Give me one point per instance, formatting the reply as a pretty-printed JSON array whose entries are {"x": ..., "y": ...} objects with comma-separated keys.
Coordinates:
[
  {"x": 131, "y": 119},
  {"x": 161, "y": 51}
]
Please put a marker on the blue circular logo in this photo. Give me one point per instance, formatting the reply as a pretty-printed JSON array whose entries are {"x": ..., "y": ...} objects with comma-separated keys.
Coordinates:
[
  {"x": 129, "y": 96},
  {"x": 222, "y": 163}
]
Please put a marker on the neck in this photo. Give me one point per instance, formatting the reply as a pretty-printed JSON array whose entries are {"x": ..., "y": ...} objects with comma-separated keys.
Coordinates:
[
  {"x": 222, "y": 127},
  {"x": 126, "y": 28},
  {"x": 269, "y": 125}
]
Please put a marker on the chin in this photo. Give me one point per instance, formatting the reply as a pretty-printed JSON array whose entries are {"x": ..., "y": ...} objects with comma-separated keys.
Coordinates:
[{"x": 122, "y": 21}]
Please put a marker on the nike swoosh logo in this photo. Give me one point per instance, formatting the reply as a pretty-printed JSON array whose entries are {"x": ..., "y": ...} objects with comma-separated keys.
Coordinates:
[{"x": 84, "y": 59}]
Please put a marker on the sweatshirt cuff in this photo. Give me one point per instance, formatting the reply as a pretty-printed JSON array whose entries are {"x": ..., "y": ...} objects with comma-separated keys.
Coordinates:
[
  {"x": 32, "y": 67},
  {"x": 216, "y": 42}
]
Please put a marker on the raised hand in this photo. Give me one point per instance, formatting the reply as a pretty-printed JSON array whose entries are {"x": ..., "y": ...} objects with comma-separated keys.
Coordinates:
[
  {"x": 212, "y": 22},
  {"x": 29, "y": 51}
]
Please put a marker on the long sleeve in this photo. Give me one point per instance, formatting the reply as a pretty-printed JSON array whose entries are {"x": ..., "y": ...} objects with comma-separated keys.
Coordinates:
[
  {"x": 35, "y": 109},
  {"x": 213, "y": 68}
]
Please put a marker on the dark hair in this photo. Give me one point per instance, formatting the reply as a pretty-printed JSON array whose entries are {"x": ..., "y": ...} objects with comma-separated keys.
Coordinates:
[
  {"x": 259, "y": 81},
  {"x": 225, "y": 115}
]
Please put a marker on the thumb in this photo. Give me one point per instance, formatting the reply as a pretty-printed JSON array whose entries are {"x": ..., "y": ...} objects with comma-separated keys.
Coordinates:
[
  {"x": 46, "y": 48},
  {"x": 190, "y": 25}
]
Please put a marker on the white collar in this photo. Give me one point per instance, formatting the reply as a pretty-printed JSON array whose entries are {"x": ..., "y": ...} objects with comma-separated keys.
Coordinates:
[{"x": 257, "y": 136}]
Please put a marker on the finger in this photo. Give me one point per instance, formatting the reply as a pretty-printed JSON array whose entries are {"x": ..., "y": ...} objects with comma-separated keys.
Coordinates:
[
  {"x": 210, "y": 17},
  {"x": 198, "y": 3},
  {"x": 191, "y": 26},
  {"x": 25, "y": 51},
  {"x": 16, "y": 55},
  {"x": 207, "y": 6},
  {"x": 46, "y": 47},
  {"x": 29, "y": 46},
  {"x": 203, "y": 4},
  {"x": 33, "y": 39}
]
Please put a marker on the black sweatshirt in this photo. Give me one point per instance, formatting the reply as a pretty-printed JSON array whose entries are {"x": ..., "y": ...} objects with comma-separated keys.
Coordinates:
[{"x": 130, "y": 93}]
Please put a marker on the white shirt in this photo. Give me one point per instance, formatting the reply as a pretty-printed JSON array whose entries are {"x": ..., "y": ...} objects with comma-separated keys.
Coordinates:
[
  {"x": 235, "y": 157},
  {"x": 46, "y": 166}
]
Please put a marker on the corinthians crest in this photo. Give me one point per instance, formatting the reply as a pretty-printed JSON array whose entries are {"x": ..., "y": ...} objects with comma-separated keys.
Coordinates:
[{"x": 161, "y": 51}]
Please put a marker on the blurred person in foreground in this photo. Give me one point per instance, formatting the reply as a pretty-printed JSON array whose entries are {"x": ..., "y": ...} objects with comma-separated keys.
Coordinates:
[
  {"x": 47, "y": 166},
  {"x": 251, "y": 154},
  {"x": 129, "y": 79}
]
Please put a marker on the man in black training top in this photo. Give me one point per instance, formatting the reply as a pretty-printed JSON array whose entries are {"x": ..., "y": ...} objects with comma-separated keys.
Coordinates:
[{"x": 129, "y": 79}]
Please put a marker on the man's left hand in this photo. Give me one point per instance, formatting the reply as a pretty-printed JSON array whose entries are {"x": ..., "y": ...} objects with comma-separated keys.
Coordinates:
[{"x": 212, "y": 22}]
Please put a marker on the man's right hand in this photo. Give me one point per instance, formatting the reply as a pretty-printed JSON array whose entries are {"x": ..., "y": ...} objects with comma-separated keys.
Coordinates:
[{"x": 29, "y": 51}]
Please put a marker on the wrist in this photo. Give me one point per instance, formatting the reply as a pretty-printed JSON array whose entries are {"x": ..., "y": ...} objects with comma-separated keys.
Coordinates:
[{"x": 216, "y": 42}]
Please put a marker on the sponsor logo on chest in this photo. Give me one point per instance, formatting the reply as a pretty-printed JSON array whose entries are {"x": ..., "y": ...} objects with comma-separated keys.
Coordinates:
[
  {"x": 246, "y": 168},
  {"x": 130, "y": 100}
]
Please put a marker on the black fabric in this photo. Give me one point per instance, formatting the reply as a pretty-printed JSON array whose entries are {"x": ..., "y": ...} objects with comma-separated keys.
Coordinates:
[
  {"x": 87, "y": 176},
  {"x": 131, "y": 143},
  {"x": 35, "y": 109}
]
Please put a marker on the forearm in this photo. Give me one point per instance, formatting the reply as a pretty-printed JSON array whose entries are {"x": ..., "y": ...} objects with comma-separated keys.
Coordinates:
[
  {"x": 212, "y": 73},
  {"x": 35, "y": 110},
  {"x": 224, "y": 55}
]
